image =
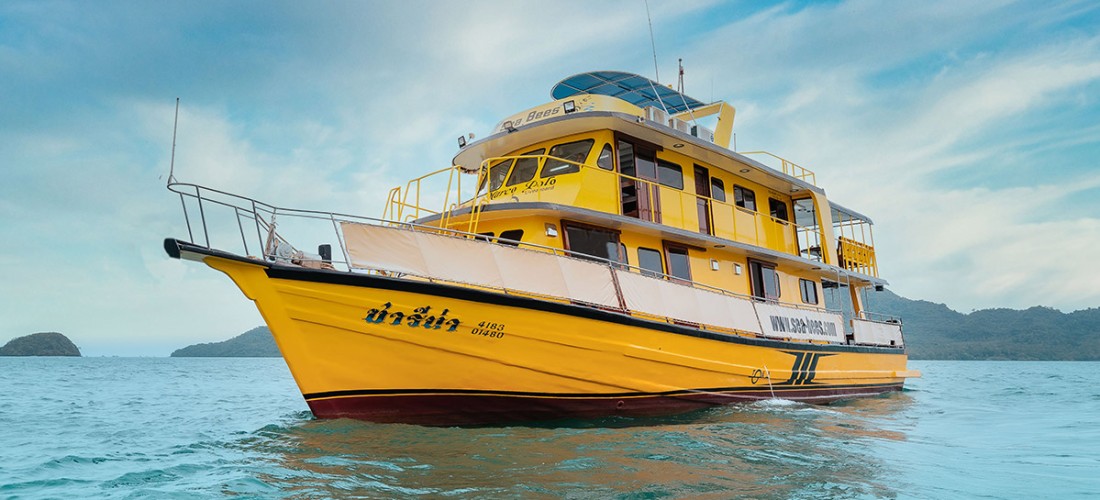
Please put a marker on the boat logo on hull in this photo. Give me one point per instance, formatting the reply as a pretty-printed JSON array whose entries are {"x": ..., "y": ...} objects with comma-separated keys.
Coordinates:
[
  {"x": 419, "y": 318},
  {"x": 804, "y": 367}
]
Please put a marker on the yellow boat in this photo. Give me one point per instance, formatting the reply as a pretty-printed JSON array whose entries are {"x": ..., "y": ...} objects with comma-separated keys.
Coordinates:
[{"x": 605, "y": 255}]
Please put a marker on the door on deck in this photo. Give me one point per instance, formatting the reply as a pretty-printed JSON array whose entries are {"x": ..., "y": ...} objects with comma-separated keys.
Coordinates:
[
  {"x": 639, "y": 197},
  {"x": 702, "y": 202}
]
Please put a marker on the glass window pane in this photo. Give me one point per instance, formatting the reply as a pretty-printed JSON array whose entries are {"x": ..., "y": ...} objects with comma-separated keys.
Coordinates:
[
  {"x": 809, "y": 291},
  {"x": 606, "y": 161},
  {"x": 647, "y": 165},
  {"x": 744, "y": 197},
  {"x": 770, "y": 280},
  {"x": 594, "y": 242},
  {"x": 717, "y": 189},
  {"x": 670, "y": 174},
  {"x": 650, "y": 260},
  {"x": 514, "y": 235},
  {"x": 678, "y": 263},
  {"x": 576, "y": 152},
  {"x": 626, "y": 158},
  {"x": 765, "y": 281},
  {"x": 497, "y": 173},
  {"x": 804, "y": 214},
  {"x": 525, "y": 168},
  {"x": 778, "y": 209}
]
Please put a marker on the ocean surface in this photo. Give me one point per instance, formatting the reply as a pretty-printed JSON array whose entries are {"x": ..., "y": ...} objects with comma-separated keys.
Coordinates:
[{"x": 209, "y": 428}]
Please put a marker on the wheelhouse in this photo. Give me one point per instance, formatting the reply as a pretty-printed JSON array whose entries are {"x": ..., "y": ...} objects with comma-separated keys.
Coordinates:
[{"x": 618, "y": 167}]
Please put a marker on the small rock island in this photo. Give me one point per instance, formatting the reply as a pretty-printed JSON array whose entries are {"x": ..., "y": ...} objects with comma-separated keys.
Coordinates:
[
  {"x": 40, "y": 344},
  {"x": 255, "y": 343}
]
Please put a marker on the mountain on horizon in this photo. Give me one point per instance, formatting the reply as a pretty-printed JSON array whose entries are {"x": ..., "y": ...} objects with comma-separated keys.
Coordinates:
[
  {"x": 935, "y": 331},
  {"x": 932, "y": 331},
  {"x": 255, "y": 343}
]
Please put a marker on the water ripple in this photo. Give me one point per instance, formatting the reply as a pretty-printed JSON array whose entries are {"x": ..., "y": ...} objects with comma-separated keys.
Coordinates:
[{"x": 165, "y": 428}]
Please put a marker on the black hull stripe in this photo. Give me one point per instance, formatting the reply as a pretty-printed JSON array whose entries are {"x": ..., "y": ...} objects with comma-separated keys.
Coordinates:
[
  {"x": 521, "y": 394},
  {"x": 455, "y": 292}
]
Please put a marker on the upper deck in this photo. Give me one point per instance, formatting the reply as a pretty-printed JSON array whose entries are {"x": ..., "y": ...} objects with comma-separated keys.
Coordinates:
[{"x": 623, "y": 145}]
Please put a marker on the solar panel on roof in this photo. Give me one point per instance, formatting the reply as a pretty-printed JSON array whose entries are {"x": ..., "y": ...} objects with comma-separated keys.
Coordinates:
[{"x": 637, "y": 90}]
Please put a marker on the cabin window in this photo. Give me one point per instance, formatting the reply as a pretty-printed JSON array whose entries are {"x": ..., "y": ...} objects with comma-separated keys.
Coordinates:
[
  {"x": 514, "y": 235},
  {"x": 717, "y": 189},
  {"x": 670, "y": 174},
  {"x": 778, "y": 209},
  {"x": 497, "y": 173},
  {"x": 809, "y": 291},
  {"x": 594, "y": 241},
  {"x": 626, "y": 158},
  {"x": 744, "y": 197},
  {"x": 525, "y": 168},
  {"x": 606, "y": 160},
  {"x": 650, "y": 262},
  {"x": 622, "y": 252},
  {"x": 765, "y": 281},
  {"x": 486, "y": 236},
  {"x": 576, "y": 152},
  {"x": 678, "y": 263}
]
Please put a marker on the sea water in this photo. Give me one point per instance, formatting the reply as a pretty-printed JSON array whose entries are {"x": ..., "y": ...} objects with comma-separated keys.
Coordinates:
[{"x": 187, "y": 428}]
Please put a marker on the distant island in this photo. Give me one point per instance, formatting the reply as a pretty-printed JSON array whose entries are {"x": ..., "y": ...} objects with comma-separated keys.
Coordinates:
[
  {"x": 255, "y": 343},
  {"x": 932, "y": 331},
  {"x": 40, "y": 344}
]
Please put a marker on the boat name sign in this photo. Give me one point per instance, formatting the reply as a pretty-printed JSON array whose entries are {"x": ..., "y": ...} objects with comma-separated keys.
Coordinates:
[
  {"x": 419, "y": 317},
  {"x": 535, "y": 186},
  {"x": 785, "y": 322}
]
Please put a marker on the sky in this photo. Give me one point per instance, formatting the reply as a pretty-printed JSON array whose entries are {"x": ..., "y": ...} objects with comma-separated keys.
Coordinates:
[{"x": 969, "y": 131}]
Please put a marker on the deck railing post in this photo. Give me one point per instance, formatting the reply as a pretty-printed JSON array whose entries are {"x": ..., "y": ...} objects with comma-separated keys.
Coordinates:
[
  {"x": 237, "y": 212},
  {"x": 202, "y": 216},
  {"x": 186, "y": 219}
]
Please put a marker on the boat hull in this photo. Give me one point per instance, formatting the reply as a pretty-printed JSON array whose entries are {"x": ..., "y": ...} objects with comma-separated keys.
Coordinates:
[{"x": 400, "y": 350}]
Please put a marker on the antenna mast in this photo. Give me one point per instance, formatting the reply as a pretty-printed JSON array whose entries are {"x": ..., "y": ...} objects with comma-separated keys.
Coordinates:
[
  {"x": 172, "y": 163},
  {"x": 653, "y": 42},
  {"x": 681, "y": 63}
]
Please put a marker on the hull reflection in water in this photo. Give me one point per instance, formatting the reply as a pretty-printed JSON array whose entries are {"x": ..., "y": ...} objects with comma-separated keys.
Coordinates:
[{"x": 767, "y": 449}]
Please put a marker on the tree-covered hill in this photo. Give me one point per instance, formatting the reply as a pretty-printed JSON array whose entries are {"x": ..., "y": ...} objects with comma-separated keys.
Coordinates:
[
  {"x": 933, "y": 331},
  {"x": 255, "y": 343},
  {"x": 40, "y": 344}
]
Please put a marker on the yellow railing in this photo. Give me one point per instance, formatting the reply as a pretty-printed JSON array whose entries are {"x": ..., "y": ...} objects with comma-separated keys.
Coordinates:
[
  {"x": 856, "y": 256},
  {"x": 589, "y": 188},
  {"x": 789, "y": 167},
  {"x": 400, "y": 208}
]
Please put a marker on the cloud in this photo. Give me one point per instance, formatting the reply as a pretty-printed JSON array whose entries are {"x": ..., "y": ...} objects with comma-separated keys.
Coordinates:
[{"x": 925, "y": 116}]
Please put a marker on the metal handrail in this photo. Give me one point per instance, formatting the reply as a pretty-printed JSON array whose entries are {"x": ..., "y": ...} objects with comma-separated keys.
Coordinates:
[
  {"x": 879, "y": 317},
  {"x": 653, "y": 186},
  {"x": 398, "y": 201},
  {"x": 261, "y": 213},
  {"x": 788, "y": 167}
]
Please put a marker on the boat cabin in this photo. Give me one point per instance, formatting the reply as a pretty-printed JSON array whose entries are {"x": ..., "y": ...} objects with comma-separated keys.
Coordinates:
[{"x": 618, "y": 168}]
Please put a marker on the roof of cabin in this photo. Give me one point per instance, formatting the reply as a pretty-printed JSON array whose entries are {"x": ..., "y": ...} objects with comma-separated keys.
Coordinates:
[{"x": 637, "y": 90}]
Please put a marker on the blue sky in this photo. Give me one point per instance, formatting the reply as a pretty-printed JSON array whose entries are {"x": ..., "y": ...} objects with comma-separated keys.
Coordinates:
[{"x": 969, "y": 131}]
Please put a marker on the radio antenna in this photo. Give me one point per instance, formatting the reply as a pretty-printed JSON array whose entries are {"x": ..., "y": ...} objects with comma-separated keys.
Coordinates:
[
  {"x": 652, "y": 42},
  {"x": 681, "y": 63},
  {"x": 172, "y": 162}
]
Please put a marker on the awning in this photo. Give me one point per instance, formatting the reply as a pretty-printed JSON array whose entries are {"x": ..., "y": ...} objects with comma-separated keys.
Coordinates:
[{"x": 637, "y": 90}]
